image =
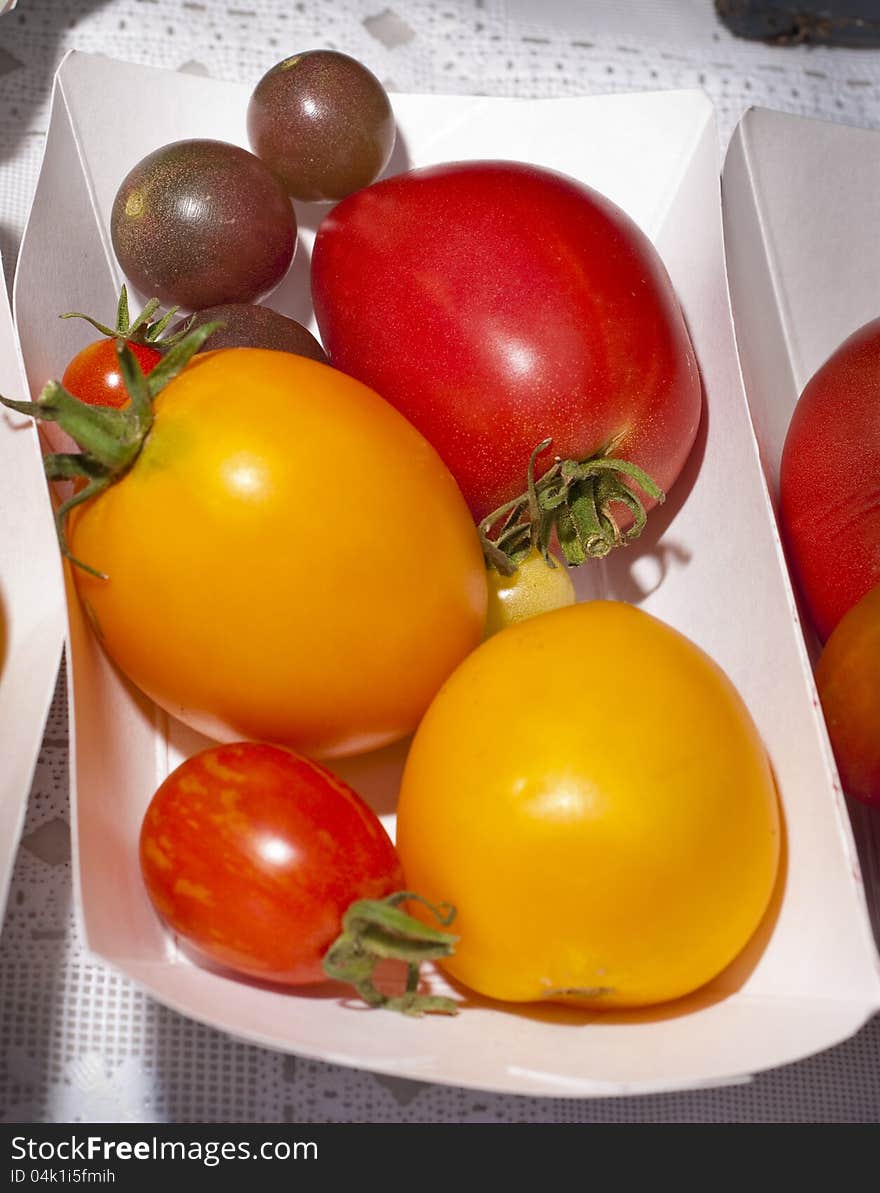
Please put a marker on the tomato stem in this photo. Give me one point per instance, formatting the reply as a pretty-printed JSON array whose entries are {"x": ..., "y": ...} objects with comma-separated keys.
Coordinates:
[
  {"x": 142, "y": 330},
  {"x": 375, "y": 930},
  {"x": 574, "y": 498},
  {"x": 110, "y": 439}
]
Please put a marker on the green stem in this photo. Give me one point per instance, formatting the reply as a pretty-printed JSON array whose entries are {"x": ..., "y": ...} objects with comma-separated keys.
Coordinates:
[
  {"x": 92, "y": 489},
  {"x": 375, "y": 930},
  {"x": 574, "y": 498},
  {"x": 110, "y": 440},
  {"x": 109, "y": 437},
  {"x": 140, "y": 330},
  {"x": 534, "y": 507}
]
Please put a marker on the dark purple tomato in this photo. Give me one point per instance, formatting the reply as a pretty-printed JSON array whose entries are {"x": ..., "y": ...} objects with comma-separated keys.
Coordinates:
[
  {"x": 248, "y": 326},
  {"x": 201, "y": 222},
  {"x": 323, "y": 123}
]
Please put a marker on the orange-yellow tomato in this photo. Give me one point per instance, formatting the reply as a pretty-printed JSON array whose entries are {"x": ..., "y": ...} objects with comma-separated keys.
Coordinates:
[
  {"x": 848, "y": 679},
  {"x": 288, "y": 560},
  {"x": 589, "y": 791}
]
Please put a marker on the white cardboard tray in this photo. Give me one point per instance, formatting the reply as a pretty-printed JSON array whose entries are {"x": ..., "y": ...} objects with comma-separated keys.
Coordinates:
[
  {"x": 802, "y": 229},
  {"x": 31, "y": 602},
  {"x": 710, "y": 564}
]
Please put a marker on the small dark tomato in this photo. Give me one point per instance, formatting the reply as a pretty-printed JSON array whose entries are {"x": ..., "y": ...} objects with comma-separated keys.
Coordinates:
[
  {"x": 93, "y": 375},
  {"x": 323, "y": 123},
  {"x": 201, "y": 222},
  {"x": 246, "y": 325}
]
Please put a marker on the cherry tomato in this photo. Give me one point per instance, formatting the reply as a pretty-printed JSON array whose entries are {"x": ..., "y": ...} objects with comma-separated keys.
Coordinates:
[
  {"x": 253, "y": 854},
  {"x": 848, "y": 679},
  {"x": 248, "y": 325},
  {"x": 589, "y": 791},
  {"x": 93, "y": 374},
  {"x": 323, "y": 123},
  {"x": 535, "y": 587},
  {"x": 497, "y": 305},
  {"x": 201, "y": 222},
  {"x": 829, "y": 481},
  {"x": 286, "y": 560}
]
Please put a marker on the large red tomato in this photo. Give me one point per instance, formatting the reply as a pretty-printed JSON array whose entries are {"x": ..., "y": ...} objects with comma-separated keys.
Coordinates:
[
  {"x": 829, "y": 482},
  {"x": 497, "y": 305}
]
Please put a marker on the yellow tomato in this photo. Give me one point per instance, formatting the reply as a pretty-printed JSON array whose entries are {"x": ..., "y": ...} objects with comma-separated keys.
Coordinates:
[
  {"x": 288, "y": 559},
  {"x": 589, "y": 791},
  {"x": 535, "y": 587}
]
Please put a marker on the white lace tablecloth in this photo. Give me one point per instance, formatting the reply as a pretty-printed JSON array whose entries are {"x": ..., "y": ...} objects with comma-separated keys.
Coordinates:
[{"x": 79, "y": 1043}]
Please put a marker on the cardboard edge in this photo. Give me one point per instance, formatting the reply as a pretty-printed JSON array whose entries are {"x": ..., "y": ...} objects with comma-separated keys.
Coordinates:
[
  {"x": 41, "y": 693},
  {"x": 27, "y": 773},
  {"x": 59, "y": 124},
  {"x": 738, "y": 157},
  {"x": 507, "y": 1078},
  {"x": 708, "y": 127},
  {"x": 28, "y": 315},
  {"x": 64, "y": 69},
  {"x": 739, "y": 152}
]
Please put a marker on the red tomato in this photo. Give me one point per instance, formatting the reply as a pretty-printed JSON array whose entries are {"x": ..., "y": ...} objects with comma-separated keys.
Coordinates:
[
  {"x": 829, "y": 481},
  {"x": 848, "y": 679},
  {"x": 253, "y": 853},
  {"x": 496, "y": 305},
  {"x": 93, "y": 374}
]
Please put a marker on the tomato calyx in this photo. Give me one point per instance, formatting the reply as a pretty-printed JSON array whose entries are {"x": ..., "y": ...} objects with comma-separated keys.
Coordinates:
[
  {"x": 110, "y": 439},
  {"x": 140, "y": 330},
  {"x": 574, "y": 498},
  {"x": 375, "y": 930}
]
